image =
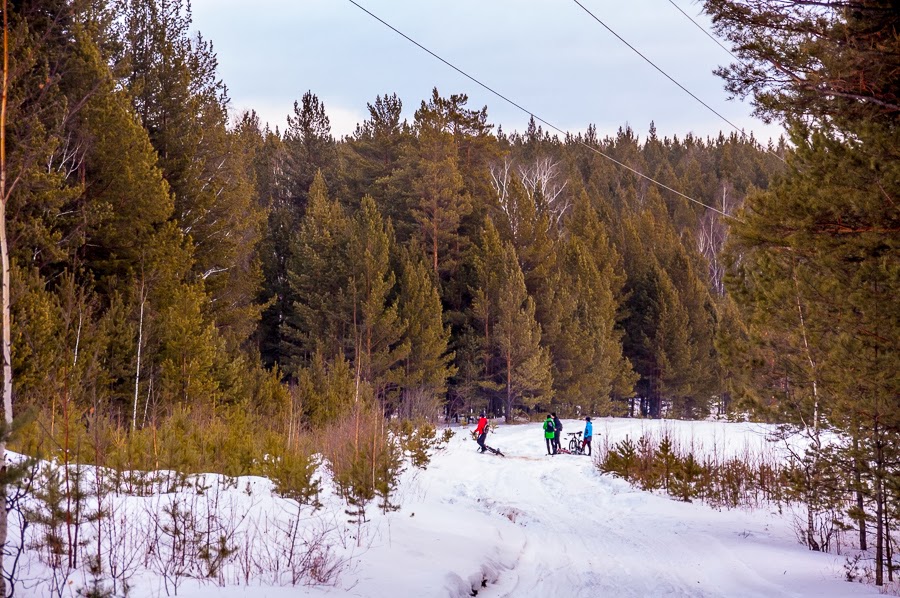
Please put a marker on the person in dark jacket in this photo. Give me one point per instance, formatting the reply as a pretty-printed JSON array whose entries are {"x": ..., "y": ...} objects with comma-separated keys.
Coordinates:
[
  {"x": 557, "y": 430},
  {"x": 549, "y": 432},
  {"x": 588, "y": 435},
  {"x": 481, "y": 432}
]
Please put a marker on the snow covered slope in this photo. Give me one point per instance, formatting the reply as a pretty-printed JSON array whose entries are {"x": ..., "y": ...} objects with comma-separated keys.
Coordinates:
[
  {"x": 531, "y": 525},
  {"x": 576, "y": 532}
]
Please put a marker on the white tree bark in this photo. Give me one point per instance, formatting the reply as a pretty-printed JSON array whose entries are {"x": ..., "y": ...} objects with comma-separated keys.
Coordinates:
[
  {"x": 137, "y": 369},
  {"x": 4, "y": 264},
  {"x": 540, "y": 179}
]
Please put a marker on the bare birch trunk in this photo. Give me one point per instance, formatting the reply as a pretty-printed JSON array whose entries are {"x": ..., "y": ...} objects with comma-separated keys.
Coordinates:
[
  {"x": 4, "y": 264},
  {"x": 880, "y": 500},
  {"x": 813, "y": 482},
  {"x": 137, "y": 369},
  {"x": 812, "y": 366}
]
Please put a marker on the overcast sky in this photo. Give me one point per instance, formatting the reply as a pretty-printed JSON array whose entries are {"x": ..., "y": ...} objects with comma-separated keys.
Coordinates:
[{"x": 549, "y": 56}]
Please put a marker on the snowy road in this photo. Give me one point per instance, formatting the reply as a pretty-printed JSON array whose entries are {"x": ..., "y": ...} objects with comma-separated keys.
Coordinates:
[
  {"x": 534, "y": 526},
  {"x": 586, "y": 534}
]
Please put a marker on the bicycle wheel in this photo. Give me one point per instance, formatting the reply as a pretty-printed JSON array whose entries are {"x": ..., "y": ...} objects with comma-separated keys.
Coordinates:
[{"x": 573, "y": 446}]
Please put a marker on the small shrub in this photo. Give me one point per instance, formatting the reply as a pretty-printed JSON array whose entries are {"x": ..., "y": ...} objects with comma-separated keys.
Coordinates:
[
  {"x": 667, "y": 461},
  {"x": 420, "y": 441},
  {"x": 621, "y": 459},
  {"x": 293, "y": 472},
  {"x": 687, "y": 474}
]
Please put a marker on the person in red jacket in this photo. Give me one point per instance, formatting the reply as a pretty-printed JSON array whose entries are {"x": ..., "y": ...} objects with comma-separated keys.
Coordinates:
[{"x": 481, "y": 432}]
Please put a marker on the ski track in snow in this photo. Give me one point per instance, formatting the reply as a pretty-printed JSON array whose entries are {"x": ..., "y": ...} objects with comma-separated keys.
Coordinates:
[
  {"x": 530, "y": 525},
  {"x": 588, "y": 534}
]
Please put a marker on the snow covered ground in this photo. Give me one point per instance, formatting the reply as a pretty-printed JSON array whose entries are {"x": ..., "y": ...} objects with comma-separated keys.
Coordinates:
[{"x": 532, "y": 525}]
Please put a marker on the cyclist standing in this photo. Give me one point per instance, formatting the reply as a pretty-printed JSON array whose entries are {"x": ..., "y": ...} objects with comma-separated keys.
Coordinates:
[
  {"x": 588, "y": 434},
  {"x": 481, "y": 432},
  {"x": 557, "y": 427},
  {"x": 549, "y": 433}
]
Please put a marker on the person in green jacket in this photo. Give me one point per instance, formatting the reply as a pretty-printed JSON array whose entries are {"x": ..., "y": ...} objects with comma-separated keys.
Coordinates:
[{"x": 549, "y": 433}]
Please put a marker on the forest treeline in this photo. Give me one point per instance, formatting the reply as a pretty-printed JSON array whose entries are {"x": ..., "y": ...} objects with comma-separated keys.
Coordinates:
[
  {"x": 163, "y": 254},
  {"x": 169, "y": 259}
]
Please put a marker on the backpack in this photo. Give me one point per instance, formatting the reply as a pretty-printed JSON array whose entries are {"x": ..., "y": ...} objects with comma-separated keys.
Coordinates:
[{"x": 548, "y": 425}]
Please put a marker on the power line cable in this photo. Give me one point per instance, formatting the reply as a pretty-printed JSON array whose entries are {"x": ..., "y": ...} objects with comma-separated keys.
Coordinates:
[
  {"x": 667, "y": 76},
  {"x": 700, "y": 27},
  {"x": 653, "y": 64},
  {"x": 531, "y": 114}
]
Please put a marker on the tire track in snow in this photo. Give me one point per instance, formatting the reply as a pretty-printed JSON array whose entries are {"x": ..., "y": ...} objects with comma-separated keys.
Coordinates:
[{"x": 593, "y": 535}]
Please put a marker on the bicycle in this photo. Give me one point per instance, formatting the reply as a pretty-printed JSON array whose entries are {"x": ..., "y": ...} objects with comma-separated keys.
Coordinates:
[
  {"x": 487, "y": 448},
  {"x": 576, "y": 446}
]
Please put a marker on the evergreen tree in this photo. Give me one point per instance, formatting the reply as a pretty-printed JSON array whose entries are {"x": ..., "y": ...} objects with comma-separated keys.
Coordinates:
[
  {"x": 486, "y": 255},
  {"x": 291, "y": 164},
  {"x": 374, "y": 151},
  {"x": 669, "y": 325},
  {"x": 321, "y": 316},
  {"x": 327, "y": 390},
  {"x": 281, "y": 224},
  {"x": 426, "y": 195},
  {"x": 815, "y": 276},
  {"x": 516, "y": 367},
  {"x": 831, "y": 65},
  {"x": 818, "y": 249},
  {"x": 182, "y": 105},
  {"x": 427, "y": 366},
  {"x": 441, "y": 201},
  {"x": 590, "y": 368},
  {"x": 310, "y": 148},
  {"x": 378, "y": 331},
  {"x": 524, "y": 363}
]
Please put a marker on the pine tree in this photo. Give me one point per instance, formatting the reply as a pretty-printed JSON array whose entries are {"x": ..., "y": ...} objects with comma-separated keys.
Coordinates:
[
  {"x": 831, "y": 65},
  {"x": 268, "y": 156},
  {"x": 378, "y": 331},
  {"x": 486, "y": 255},
  {"x": 594, "y": 369},
  {"x": 183, "y": 106},
  {"x": 318, "y": 270},
  {"x": 818, "y": 250},
  {"x": 310, "y": 148},
  {"x": 427, "y": 365},
  {"x": 815, "y": 264},
  {"x": 291, "y": 164},
  {"x": 326, "y": 389},
  {"x": 476, "y": 150},
  {"x": 374, "y": 151},
  {"x": 524, "y": 364},
  {"x": 441, "y": 202},
  {"x": 126, "y": 208},
  {"x": 187, "y": 350}
]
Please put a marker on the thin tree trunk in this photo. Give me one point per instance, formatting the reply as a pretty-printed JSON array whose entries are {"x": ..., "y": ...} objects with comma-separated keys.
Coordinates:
[
  {"x": 147, "y": 404},
  {"x": 857, "y": 480},
  {"x": 4, "y": 264},
  {"x": 509, "y": 393},
  {"x": 137, "y": 369},
  {"x": 879, "y": 515},
  {"x": 4, "y": 249},
  {"x": 811, "y": 542},
  {"x": 66, "y": 454},
  {"x": 98, "y": 484},
  {"x": 434, "y": 243},
  {"x": 357, "y": 348},
  {"x": 812, "y": 366},
  {"x": 888, "y": 545}
]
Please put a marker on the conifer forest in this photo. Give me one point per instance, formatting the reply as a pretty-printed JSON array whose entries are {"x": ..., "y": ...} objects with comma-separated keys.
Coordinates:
[{"x": 189, "y": 289}]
